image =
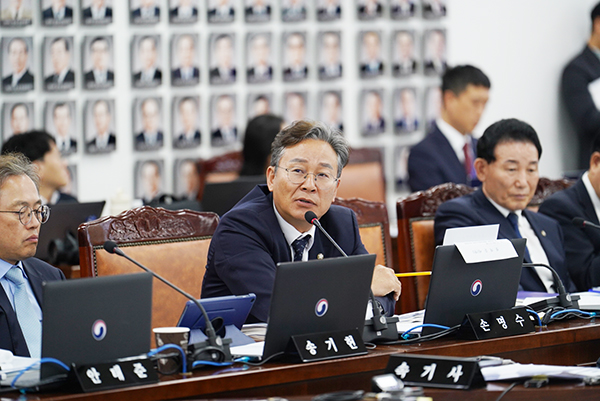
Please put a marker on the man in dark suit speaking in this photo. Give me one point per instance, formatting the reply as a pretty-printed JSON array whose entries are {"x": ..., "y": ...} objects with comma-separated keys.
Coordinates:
[
  {"x": 21, "y": 275},
  {"x": 582, "y": 244},
  {"x": 508, "y": 154},
  {"x": 267, "y": 225}
]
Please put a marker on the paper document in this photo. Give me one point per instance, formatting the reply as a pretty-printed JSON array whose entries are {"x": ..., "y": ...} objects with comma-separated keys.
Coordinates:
[
  {"x": 409, "y": 320},
  {"x": 254, "y": 350},
  {"x": 518, "y": 371},
  {"x": 471, "y": 234}
]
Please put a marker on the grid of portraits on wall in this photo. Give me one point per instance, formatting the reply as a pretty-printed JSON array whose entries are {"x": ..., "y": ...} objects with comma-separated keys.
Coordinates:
[{"x": 197, "y": 70}]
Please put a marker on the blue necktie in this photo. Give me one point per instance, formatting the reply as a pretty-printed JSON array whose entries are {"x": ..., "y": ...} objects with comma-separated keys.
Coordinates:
[
  {"x": 298, "y": 246},
  {"x": 513, "y": 219},
  {"x": 30, "y": 324}
]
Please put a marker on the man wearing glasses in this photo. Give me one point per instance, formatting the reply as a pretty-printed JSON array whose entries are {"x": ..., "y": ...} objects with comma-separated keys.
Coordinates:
[
  {"x": 40, "y": 148},
  {"x": 265, "y": 227},
  {"x": 21, "y": 275}
]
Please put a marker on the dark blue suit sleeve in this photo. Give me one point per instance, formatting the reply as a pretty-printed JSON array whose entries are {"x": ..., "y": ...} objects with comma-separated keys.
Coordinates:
[
  {"x": 422, "y": 172},
  {"x": 451, "y": 214}
]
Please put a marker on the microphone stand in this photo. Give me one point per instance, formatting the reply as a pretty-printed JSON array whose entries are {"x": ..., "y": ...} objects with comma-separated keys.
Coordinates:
[
  {"x": 215, "y": 348},
  {"x": 564, "y": 299}
]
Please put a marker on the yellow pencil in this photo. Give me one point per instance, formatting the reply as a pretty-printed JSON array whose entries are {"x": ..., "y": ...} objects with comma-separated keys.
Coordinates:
[{"x": 413, "y": 274}]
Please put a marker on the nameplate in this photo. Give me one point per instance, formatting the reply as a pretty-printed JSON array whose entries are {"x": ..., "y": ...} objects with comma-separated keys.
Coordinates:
[
  {"x": 436, "y": 371},
  {"x": 494, "y": 324},
  {"x": 329, "y": 345},
  {"x": 116, "y": 374}
]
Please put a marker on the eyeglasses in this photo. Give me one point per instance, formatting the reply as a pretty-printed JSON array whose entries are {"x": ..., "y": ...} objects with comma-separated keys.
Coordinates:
[
  {"x": 42, "y": 214},
  {"x": 297, "y": 176}
]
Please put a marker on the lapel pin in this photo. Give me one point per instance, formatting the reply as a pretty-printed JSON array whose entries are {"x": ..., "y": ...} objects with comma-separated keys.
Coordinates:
[
  {"x": 320, "y": 256},
  {"x": 543, "y": 233}
]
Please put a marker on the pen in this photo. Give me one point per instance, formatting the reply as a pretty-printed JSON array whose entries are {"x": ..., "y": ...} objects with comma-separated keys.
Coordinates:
[{"x": 413, "y": 274}]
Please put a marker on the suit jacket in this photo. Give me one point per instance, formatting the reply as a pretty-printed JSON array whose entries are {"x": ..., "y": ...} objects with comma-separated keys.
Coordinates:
[
  {"x": 49, "y": 14},
  {"x": 248, "y": 244},
  {"x": 215, "y": 76},
  {"x": 252, "y": 77},
  {"x": 92, "y": 146},
  {"x": 137, "y": 13},
  {"x": 582, "y": 245},
  {"x": 433, "y": 161},
  {"x": 183, "y": 142},
  {"x": 87, "y": 13},
  {"x": 581, "y": 108},
  {"x": 66, "y": 198},
  {"x": 89, "y": 77},
  {"x": 324, "y": 74},
  {"x": 157, "y": 78},
  {"x": 291, "y": 75},
  {"x": 26, "y": 78},
  {"x": 11, "y": 336},
  {"x": 69, "y": 78},
  {"x": 475, "y": 210},
  {"x": 140, "y": 141},
  {"x": 216, "y": 137},
  {"x": 174, "y": 13},
  {"x": 364, "y": 69},
  {"x": 176, "y": 74}
]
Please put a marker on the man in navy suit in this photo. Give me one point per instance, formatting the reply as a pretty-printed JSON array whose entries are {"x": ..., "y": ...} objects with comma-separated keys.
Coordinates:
[
  {"x": 260, "y": 230},
  {"x": 21, "y": 216},
  {"x": 59, "y": 11},
  {"x": 448, "y": 151},
  {"x": 508, "y": 154},
  {"x": 582, "y": 244}
]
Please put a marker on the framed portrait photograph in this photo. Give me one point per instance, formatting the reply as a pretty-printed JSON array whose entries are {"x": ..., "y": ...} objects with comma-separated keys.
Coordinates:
[
  {"x": 57, "y": 12},
  {"x": 371, "y": 57},
  {"x": 96, "y": 12},
  {"x": 330, "y": 108},
  {"x": 147, "y": 123},
  {"x": 293, "y": 10},
  {"x": 434, "y": 59},
  {"x": 98, "y": 62},
  {"x": 60, "y": 120},
  {"x": 295, "y": 64},
  {"x": 257, "y": 11},
  {"x": 258, "y": 58},
  {"x": 222, "y": 59},
  {"x": 185, "y": 119},
  {"x": 372, "y": 120},
  {"x": 404, "y": 59},
  {"x": 401, "y": 168},
  {"x": 150, "y": 180},
  {"x": 402, "y": 9},
  {"x": 295, "y": 104},
  {"x": 185, "y": 60},
  {"x": 330, "y": 55},
  {"x": 146, "y": 70},
  {"x": 433, "y": 105},
  {"x": 259, "y": 104},
  {"x": 58, "y": 70},
  {"x": 186, "y": 179},
  {"x": 17, "y": 118},
  {"x": 17, "y": 62},
  {"x": 369, "y": 9},
  {"x": 405, "y": 106},
  {"x": 223, "y": 122},
  {"x": 99, "y": 126},
  {"x": 144, "y": 12},
  {"x": 220, "y": 11},
  {"x": 16, "y": 13},
  {"x": 183, "y": 11},
  {"x": 434, "y": 8},
  {"x": 72, "y": 187},
  {"x": 329, "y": 10}
]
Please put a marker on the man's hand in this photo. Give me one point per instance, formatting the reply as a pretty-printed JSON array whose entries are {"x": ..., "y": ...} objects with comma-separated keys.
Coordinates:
[{"x": 384, "y": 282}]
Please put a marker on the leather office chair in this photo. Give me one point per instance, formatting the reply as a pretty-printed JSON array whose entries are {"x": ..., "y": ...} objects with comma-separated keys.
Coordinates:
[
  {"x": 222, "y": 168},
  {"x": 547, "y": 187},
  {"x": 373, "y": 224},
  {"x": 364, "y": 175},
  {"x": 416, "y": 242},
  {"x": 174, "y": 244}
]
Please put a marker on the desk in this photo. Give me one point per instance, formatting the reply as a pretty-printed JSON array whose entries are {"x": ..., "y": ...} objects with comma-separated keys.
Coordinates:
[{"x": 568, "y": 343}]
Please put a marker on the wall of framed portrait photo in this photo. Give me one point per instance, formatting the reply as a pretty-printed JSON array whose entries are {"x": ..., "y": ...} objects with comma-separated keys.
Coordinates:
[{"x": 137, "y": 88}]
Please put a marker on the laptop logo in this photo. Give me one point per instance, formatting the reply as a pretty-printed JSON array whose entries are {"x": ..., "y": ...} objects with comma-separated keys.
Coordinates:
[
  {"x": 321, "y": 307},
  {"x": 99, "y": 330},
  {"x": 476, "y": 287}
]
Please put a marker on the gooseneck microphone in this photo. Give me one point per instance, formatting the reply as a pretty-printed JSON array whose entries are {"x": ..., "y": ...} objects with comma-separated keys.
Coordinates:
[
  {"x": 581, "y": 223},
  {"x": 215, "y": 349},
  {"x": 380, "y": 329},
  {"x": 564, "y": 298}
]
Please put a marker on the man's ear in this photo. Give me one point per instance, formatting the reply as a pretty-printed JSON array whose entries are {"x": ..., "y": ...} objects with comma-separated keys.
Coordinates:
[
  {"x": 481, "y": 167},
  {"x": 270, "y": 177}
]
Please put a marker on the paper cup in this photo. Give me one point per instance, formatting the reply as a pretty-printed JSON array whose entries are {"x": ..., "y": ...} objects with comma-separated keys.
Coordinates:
[{"x": 170, "y": 335}]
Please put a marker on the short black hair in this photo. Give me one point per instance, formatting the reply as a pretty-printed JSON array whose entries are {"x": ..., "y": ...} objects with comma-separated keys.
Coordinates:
[
  {"x": 508, "y": 130},
  {"x": 596, "y": 144},
  {"x": 61, "y": 39},
  {"x": 456, "y": 79},
  {"x": 595, "y": 13},
  {"x": 32, "y": 144},
  {"x": 260, "y": 133}
]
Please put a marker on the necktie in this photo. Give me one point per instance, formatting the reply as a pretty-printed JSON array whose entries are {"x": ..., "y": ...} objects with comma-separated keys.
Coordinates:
[
  {"x": 30, "y": 325},
  {"x": 514, "y": 221},
  {"x": 298, "y": 246},
  {"x": 468, "y": 160}
]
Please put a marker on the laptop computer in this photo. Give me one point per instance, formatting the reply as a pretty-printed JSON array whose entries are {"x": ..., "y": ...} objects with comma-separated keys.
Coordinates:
[
  {"x": 65, "y": 218},
  {"x": 299, "y": 287},
  {"x": 91, "y": 320},
  {"x": 219, "y": 197},
  {"x": 457, "y": 288}
]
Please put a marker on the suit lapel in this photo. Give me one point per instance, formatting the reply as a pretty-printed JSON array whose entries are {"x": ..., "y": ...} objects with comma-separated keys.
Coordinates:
[
  {"x": 35, "y": 280},
  {"x": 586, "y": 203}
]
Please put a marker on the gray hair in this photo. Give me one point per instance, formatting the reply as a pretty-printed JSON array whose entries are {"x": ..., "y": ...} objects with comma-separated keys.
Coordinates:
[{"x": 16, "y": 164}]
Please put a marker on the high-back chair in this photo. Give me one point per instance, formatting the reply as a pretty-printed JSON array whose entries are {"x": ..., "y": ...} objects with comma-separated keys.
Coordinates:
[
  {"x": 173, "y": 244},
  {"x": 364, "y": 175},
  {"x": 222, "y": 168}
]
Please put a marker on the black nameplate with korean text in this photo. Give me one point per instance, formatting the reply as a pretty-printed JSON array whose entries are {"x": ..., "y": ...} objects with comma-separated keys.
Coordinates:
[
  {"x": 494, "y": 324},
  {"x": 329, "y": 345},
  {"x": 116, "y": 374},
  {"x": 436, "y": 371}
]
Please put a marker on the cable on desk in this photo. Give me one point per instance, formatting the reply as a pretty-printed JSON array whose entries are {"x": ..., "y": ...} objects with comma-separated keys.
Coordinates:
[
  {"x": 573, "y": 312},
  {"x": 534, "y": 313},
  {"x": 247, "y": 362},
  {"x": 41, "y": 361},
  {"x": 428, "y": 337},
  {"x": 507, "y": 390},
  {"x": 437, "y": 326},
  {"x": 172, "y": 346}
]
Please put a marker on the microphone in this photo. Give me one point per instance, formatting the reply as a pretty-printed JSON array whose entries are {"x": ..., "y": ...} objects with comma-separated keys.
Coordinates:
[
  {"x": 564, "y": 298},
  {"x": 581, "y": 223},
  {"x": 215, "y": 349},
  {"x": 379, "y": 328}
]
